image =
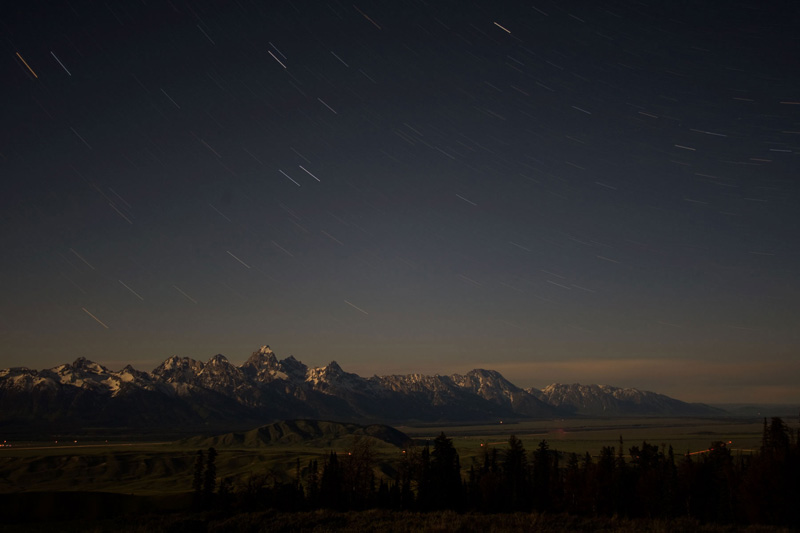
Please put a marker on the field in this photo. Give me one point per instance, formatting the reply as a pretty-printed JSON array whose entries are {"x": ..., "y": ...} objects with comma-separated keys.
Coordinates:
[
  {"x": 156, "y": 467},
  {"x": 97, "y": 484},
  {"x": 590, "y": 435}
]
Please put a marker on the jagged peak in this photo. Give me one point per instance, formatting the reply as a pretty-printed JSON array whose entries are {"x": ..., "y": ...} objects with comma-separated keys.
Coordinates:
[
  {"x": 608, "y": 389},
  {"x": 485, "y": 372},
  {"x": 554, "y": 386},
  {"x": 293, "y": 367},
  {"x": 333, "y": 375},
  {"x": 176, "y": 361},
  {"x": 291, "y": 362},
  {"x": 218, "y": 360},
  {"x": 484, "y": 377},
  {"x": 86, "y": 364},
  {"x": 177, "y": 358},
  {"x": 482, "y": 371},
  {"x": 262, "y": 378},
  {"x": 416, "y": 376},
  {"x": 262, "y": 357}
]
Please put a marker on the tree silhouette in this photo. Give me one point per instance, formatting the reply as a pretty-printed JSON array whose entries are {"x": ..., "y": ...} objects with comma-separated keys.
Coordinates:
[
  {"x": 769, "y": 488},
  {"x": 331, "y": 483},
  {"x": 199, "y": 463},
  {"x": 405, "y": 477},
  {"x": 423, "y": 475},
  {"x": 486, "y": 483},
  {"x": 647, "y": 481},
  {"x": 574, "y": 484},
  {"x": 358, "y": 476},
  {"x": 777, "y": 438},
  {"x": 515, "y": 475},
  {"x": 542, "y": 476},
  {"x": 445, "y": 474},
  {"x": 197, "y": 481},
  {"x": 312, "y": 483},
  {"x": 210, "y": 475},
  {"x": 713, "y": 486},
  {"x": 603, "y": 481}
]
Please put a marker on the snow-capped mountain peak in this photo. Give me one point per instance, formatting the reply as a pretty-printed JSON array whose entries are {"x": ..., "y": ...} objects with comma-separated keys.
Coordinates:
[
  {"x": 332, "y": 374},
  {"x": 90, "y": 366},
  {"x": 182, "y": 390},
  {"x": 613, "y": 401},
  {"x": 263, "y": 365}
]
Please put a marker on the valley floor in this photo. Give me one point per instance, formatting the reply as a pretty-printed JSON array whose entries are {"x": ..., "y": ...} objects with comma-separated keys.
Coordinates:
[{"x": 146, "y": 467}]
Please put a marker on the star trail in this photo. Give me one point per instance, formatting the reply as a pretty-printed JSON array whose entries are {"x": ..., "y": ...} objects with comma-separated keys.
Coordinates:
[{"x": 561, "y": 191}]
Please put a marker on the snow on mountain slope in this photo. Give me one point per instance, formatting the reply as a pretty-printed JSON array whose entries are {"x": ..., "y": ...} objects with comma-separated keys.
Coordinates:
[
  {"x": 263, "y": 366},
  {"x": 182, "y": 390},
  {"x": 82, "y": 373},
  {"x": 606, "y": 400}
]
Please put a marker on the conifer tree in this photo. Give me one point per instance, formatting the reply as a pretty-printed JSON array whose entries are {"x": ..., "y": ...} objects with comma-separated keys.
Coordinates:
[
  {"x": 197, "y": 482},
  {"x": 423, "y": 478},
  {"x": 210, "y": 476},
  {"x": 515, "y": 475},
  {"x": 312, "y": 483},
  {"x": 445, "y": 474},
  {"x": 542, "y": 472},
  {"x": 332, "y": 483}
]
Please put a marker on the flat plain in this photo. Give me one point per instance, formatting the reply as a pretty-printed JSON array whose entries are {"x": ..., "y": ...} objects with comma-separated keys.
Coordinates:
[{"x": 133, "y": 464}]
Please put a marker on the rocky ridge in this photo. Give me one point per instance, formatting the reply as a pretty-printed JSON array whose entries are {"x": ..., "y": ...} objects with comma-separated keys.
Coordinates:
[{"x": 184, "y": 392}]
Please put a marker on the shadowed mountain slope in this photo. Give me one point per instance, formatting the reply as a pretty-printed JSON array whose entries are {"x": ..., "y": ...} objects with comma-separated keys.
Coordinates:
[{"x": 186, "y": 394}]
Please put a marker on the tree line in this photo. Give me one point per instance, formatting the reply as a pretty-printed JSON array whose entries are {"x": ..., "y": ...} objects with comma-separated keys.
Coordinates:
[{"x": 648, "y": 482}]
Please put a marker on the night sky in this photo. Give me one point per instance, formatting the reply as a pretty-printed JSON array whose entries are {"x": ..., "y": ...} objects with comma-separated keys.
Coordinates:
[{"x": 579, "y": 191}]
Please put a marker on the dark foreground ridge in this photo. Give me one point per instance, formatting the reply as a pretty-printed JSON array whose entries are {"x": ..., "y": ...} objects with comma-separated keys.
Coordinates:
[
  {"x": 183, "y": 393},
  {"x": 309, "y": 433},
  {"x": 378, "y": 520},
  {"x": 637, "y": 488}
]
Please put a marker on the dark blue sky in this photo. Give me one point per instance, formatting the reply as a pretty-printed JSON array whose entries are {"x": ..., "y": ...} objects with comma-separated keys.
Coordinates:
[{"x": 562, "y": 191}]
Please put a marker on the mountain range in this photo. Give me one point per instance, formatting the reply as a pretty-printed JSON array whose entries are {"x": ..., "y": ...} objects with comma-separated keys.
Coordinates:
[{"x": 183, "y": 393}]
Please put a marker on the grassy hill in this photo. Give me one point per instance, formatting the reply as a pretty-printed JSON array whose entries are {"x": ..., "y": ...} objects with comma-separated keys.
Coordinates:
[
  {"x": 307, "y": 433},
  {"x": 167, "y": 467}
]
